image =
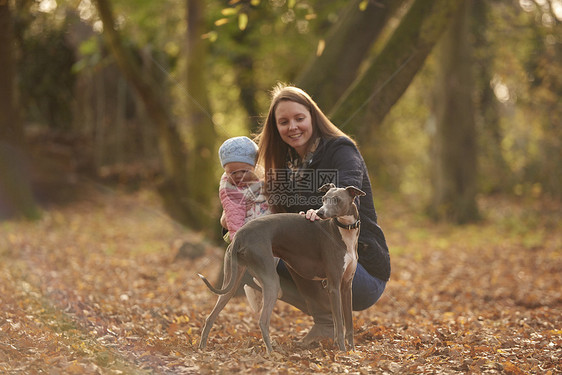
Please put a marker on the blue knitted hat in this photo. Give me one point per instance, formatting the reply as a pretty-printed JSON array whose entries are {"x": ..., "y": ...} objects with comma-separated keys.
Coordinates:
[{"x": 238, "y": 149}]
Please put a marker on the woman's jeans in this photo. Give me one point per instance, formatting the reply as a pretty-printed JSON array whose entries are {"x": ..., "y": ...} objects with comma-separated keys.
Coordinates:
[{"x": 366, "y": 289}]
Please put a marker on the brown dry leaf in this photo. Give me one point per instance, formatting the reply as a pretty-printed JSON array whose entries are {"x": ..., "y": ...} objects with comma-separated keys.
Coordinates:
[{"x": 95, "y": 286}]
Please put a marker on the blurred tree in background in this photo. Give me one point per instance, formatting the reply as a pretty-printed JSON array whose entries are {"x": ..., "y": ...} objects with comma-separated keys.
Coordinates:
[
  {"x": 146, "y": 91},
  {"x": 16, "y": 197},
  {"x": 355, "y": 33},
  {"x": 454, "y": 141}
]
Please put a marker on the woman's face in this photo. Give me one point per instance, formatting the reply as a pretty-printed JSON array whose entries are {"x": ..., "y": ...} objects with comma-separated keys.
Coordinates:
[{"x": 294, "y": 124}]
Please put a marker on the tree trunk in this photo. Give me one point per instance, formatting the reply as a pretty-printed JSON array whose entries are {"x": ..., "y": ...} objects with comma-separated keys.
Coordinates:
[
  {"x": 173, "y": 153},
  {"x": 328, "y": 75},
  {"x": 454, "y": 144},
  {"x": 493, "y": 165},
  {"x": 243, "y": 62},
  {"x": 245, "y": 79},
  {"x": 202, "y": 157},
  {"x": 394, "y": 68},
  {"x": 16, "y": 197}
]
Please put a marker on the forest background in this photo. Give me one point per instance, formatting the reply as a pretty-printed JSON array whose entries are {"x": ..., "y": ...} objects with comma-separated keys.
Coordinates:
[{"x": 455, "y": 106}]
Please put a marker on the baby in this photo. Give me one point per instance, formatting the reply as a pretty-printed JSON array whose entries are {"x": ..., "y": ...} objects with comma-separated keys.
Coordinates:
[
  {"x": 241, "y": 194},
  {"x": 240, "y": 189}
]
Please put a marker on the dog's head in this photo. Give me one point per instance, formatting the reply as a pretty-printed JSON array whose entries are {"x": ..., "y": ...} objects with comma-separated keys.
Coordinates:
[{"x": 338, "y": 201}]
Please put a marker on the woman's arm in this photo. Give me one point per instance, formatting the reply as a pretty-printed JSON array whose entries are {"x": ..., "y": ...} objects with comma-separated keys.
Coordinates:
[{"x": 349, "y": 164}]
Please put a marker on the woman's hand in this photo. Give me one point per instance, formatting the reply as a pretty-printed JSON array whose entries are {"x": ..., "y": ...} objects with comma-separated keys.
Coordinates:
[{"x": 311, "y": 215}]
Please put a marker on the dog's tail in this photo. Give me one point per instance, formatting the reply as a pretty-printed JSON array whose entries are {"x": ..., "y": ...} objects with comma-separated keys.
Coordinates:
[{"x": 231, "y": 255}]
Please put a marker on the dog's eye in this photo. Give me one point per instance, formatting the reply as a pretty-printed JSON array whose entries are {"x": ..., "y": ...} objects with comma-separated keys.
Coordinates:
[{"x": 330, "y": 200}]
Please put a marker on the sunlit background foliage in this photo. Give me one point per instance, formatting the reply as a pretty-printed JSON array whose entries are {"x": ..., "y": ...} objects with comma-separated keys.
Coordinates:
[{"x": 69, "y": 83}]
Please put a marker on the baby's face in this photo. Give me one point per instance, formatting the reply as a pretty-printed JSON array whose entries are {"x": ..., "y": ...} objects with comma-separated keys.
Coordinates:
[{"x": 240, "y": 173}]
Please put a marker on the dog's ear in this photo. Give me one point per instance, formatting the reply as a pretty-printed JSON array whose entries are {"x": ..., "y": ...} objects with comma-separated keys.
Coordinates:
[
  {"x": 324, "y": 188},
  {"x": 355, "y": 192}
]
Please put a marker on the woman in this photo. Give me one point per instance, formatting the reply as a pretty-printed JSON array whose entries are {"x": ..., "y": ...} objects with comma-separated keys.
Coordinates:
[{"x": 301, "y": 149}]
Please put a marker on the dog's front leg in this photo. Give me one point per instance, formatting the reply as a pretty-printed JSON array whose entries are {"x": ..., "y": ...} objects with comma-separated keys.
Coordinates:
[
  {"x": 347, "y": 306},
  {"x": 334, "y": 291}
]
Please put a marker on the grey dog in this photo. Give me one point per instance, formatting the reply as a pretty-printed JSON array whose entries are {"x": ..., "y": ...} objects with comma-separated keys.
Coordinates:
[{"x": 318, "y": 250}]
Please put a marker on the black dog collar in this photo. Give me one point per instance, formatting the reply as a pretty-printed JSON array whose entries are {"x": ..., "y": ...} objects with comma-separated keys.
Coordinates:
[{"x": 348, "y": 226}]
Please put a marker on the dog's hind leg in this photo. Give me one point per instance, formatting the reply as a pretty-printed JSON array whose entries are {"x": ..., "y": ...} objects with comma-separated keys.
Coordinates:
[
  {"x": 270, "y": 288},
  {"x": 221, "y": 303}
]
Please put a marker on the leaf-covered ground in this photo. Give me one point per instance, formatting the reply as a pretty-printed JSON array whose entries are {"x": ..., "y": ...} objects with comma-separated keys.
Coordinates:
[{"x": 96, "y": 287}]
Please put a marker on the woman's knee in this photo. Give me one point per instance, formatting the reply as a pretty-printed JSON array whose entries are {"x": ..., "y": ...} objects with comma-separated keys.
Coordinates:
[{"x": 367, "y": 289}]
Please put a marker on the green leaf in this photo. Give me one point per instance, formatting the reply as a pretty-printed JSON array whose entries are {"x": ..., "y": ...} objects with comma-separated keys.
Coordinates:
[
  {"x": 89, "y": 46},
  {"x": 212, "y": 36},
  {"x": 229, "y": 11},
  {"x": 242, "y": 21},
  {"x": 363, "y": 5},
  {"x": 222, "y": 21},
  {"x": 78, "y": 66}
]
